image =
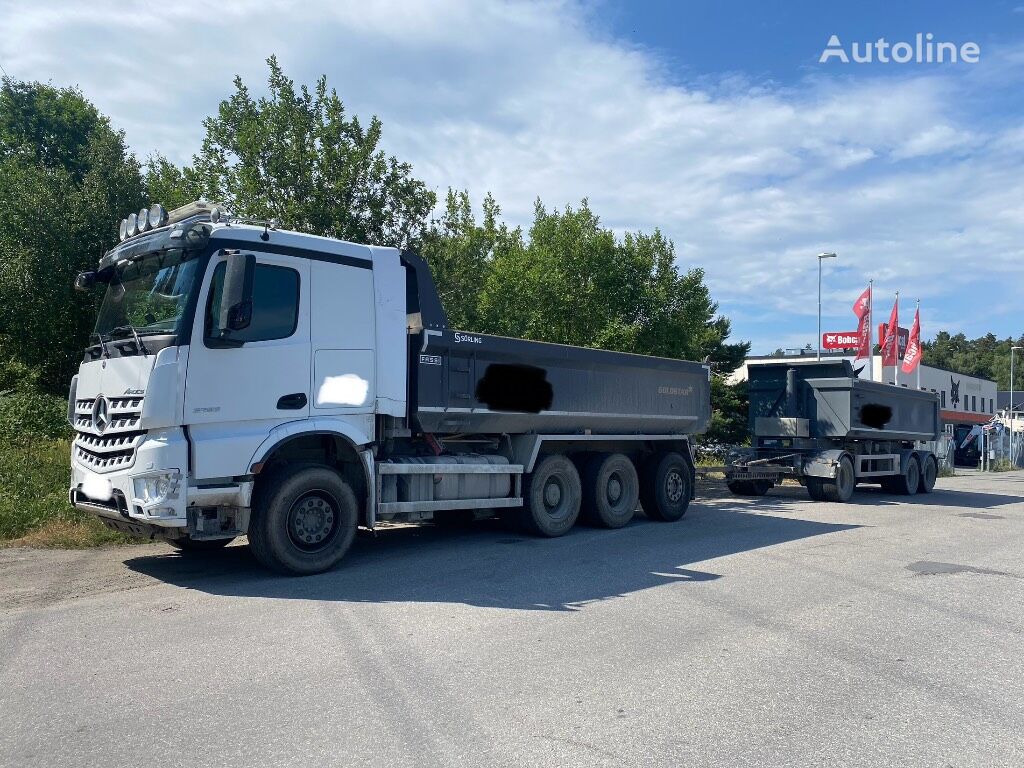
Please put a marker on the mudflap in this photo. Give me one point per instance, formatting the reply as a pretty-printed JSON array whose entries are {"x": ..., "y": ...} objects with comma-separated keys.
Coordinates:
[{"x": 823, "y": 464}]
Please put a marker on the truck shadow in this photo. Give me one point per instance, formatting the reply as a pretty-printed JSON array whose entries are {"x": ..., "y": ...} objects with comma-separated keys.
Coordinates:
[
  {"x": 872, "y": 495},
  {"x": 489, "y": 565}
]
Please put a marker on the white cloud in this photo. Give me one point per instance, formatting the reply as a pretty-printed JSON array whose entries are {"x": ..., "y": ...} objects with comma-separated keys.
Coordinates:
[{"x": 750, "y": 179}]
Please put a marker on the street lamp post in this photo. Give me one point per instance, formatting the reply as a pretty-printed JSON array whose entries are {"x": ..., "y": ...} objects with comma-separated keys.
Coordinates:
[
  {"x": 820, "y": 257},
  {"x": 1012, "y": 434}
]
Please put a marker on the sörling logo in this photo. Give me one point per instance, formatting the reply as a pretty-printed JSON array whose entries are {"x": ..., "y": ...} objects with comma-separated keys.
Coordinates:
[{"x": 924, "y": 50}]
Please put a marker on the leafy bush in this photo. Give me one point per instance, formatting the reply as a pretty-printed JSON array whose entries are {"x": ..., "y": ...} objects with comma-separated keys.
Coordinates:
[{"x": 32, "y": 415}]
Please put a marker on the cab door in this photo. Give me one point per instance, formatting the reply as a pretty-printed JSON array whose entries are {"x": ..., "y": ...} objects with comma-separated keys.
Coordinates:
[{"x": 235, "y": 395}]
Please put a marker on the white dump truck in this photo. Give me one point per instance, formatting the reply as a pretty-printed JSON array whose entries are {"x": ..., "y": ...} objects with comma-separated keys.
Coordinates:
[{"x": 248, "y": 380}]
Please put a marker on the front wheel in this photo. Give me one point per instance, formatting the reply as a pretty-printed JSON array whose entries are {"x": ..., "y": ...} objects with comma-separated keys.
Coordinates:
[
  {"x": 665, "y": 487},
  {"x": 303, "y": 521},
  {"x": 750, "y": 487},
  {"x": 840, "y": 489}
]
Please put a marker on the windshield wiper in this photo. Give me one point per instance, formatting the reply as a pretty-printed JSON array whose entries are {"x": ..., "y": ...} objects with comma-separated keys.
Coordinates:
[
  {"x": 103, "y": 347},
  {"x": 135, "y": 334}
]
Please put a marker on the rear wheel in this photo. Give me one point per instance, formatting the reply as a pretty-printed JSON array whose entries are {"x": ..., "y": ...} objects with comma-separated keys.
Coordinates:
[
  {"x": 665, "y": 488},
  {"x": 611, "y": 490},
  {"x": 929, "y": 473},
  {"x": 187, "y": 544},
  {"x": 304, "y": 520},
  {"x": 840, "y": 489},
  {"x": 908, "y": 483},
  {"x": 551, "y": 497}
]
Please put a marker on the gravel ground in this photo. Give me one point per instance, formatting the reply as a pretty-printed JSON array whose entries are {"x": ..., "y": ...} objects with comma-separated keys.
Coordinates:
[{"x": 771, "y": 631}]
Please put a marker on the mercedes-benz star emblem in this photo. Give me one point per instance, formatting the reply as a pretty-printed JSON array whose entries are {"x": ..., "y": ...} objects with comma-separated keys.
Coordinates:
[{"x": 100, "y": 414}]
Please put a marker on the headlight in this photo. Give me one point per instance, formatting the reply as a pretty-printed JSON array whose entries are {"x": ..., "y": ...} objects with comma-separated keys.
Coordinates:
[
  {"x": 123, "y": 231},
  {"x": 143, "y": 220},
  {"x": 157, "y": 216},
  {"x": 156, "y": 487},
  {"x": 132, "y": 226}
]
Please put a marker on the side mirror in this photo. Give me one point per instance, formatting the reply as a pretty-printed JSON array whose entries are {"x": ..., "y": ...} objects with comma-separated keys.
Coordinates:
[
  {"x": 236, "y": 299},
  {"x": 85, "y": 281}
]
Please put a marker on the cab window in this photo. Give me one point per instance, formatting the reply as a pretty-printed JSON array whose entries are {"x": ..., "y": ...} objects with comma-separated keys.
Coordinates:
[{"x": 275, "y": 303}]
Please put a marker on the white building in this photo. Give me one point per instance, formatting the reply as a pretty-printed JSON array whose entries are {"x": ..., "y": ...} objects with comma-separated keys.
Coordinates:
[{"x": 963, "y": 399}]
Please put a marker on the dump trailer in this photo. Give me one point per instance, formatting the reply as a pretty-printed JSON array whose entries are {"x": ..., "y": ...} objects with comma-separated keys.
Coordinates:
[
  {"x": 247, "y": 380},
  {"x": 818, "y": 423}
]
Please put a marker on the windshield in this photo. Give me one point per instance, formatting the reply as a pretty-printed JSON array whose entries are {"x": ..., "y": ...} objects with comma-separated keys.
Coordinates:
[{"x": 150, "y": 294}]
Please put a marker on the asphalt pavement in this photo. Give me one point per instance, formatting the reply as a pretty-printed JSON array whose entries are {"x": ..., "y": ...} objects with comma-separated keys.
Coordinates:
[{"x": 755, "y": 632}]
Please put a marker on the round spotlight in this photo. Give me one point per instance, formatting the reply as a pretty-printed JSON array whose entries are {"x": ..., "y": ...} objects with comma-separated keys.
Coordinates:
[
  {"x": 142, "y": 222},
  {"x": 157, "y": 216},
  {"x": 133, "y": 227},
  {"x": 122, "y": 231}
]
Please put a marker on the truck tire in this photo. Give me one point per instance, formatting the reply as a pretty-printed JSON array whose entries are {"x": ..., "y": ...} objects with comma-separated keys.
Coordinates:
[
  {"x": 188, "y": 545},
  {"x": 815, "y": 489},
  {"x": 840, "y": 490},
  {"x": 929, "y": 473},
  {"x": 750, "y": 487},
  {"x": 908, "y": 483},
  {"x": 552, "y": 495},
  {"x": 303, "y": 520},
  {"x": 665, "y": 488},
  {"x": 611, "y": 490}
]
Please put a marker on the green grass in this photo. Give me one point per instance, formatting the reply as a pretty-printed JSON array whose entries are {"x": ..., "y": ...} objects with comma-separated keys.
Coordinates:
[{"x": 34, "y": 509}]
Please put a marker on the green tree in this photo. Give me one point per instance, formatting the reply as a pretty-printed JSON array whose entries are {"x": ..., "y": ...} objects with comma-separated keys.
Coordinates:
[
  {"x": 295, "y": 156},
  {"x": 66, "y": 180},
  {"x": 170, "y": 185},
  {"x": 461, "y": 254},
  {"x": 985, "y": 356}
]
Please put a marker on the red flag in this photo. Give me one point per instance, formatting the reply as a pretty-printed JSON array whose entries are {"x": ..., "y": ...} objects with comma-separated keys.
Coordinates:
[
  {"x": 862, "y": 309},
  {"x": 890, "y": 346},
  {"x": 913, "y": 356},
  {"x": 862, "y": 306}
]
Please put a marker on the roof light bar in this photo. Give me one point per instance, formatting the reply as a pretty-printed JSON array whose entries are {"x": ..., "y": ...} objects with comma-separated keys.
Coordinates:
[{"x": 156, "y": 216}]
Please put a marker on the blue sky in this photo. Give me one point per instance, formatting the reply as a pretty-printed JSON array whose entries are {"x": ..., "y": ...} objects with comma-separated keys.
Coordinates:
[{"x": 711, "y": 120}]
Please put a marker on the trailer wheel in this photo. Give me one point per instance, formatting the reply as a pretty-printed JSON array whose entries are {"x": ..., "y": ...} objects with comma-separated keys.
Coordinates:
[
  {"x": 908, "y": 483},
  {"x": 303, "y": 521},
  {"x": 551, "y": 497},
  {"x": 840, "y": 490},
  {"x": 929, "y": 472},
  {"x": 665, "y": 487},
  {"x": 611, "y": 490},
  {"x": 815, "y": 489},
  {"x": 750, "y": 487}
]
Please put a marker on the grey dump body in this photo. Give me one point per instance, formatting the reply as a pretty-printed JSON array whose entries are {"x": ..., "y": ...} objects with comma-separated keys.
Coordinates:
[
  {"x": 474, "y": 383},
  {"x": 837, "y": 405}
]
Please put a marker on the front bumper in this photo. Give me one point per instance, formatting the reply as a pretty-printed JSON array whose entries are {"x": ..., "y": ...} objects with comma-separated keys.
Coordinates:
[{"x": 162, "y": 451}]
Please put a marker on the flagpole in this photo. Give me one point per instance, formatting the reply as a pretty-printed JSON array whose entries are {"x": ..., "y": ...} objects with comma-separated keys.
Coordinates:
[
  {"x": 896, "y": 343},
  {"x": 917, "y": 316},
  {"x": 871, "y": 319}
]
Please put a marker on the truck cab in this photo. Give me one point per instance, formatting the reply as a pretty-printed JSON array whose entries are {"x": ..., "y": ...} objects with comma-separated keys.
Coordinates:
[{"x": 238, "y": 369}]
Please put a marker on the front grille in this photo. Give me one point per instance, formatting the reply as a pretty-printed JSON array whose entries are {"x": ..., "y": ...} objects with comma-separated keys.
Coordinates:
[{"x": 114, "y": 446}]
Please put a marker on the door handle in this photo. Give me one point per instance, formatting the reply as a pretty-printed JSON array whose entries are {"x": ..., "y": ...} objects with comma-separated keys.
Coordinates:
[{"x": 292, "y": 402}]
